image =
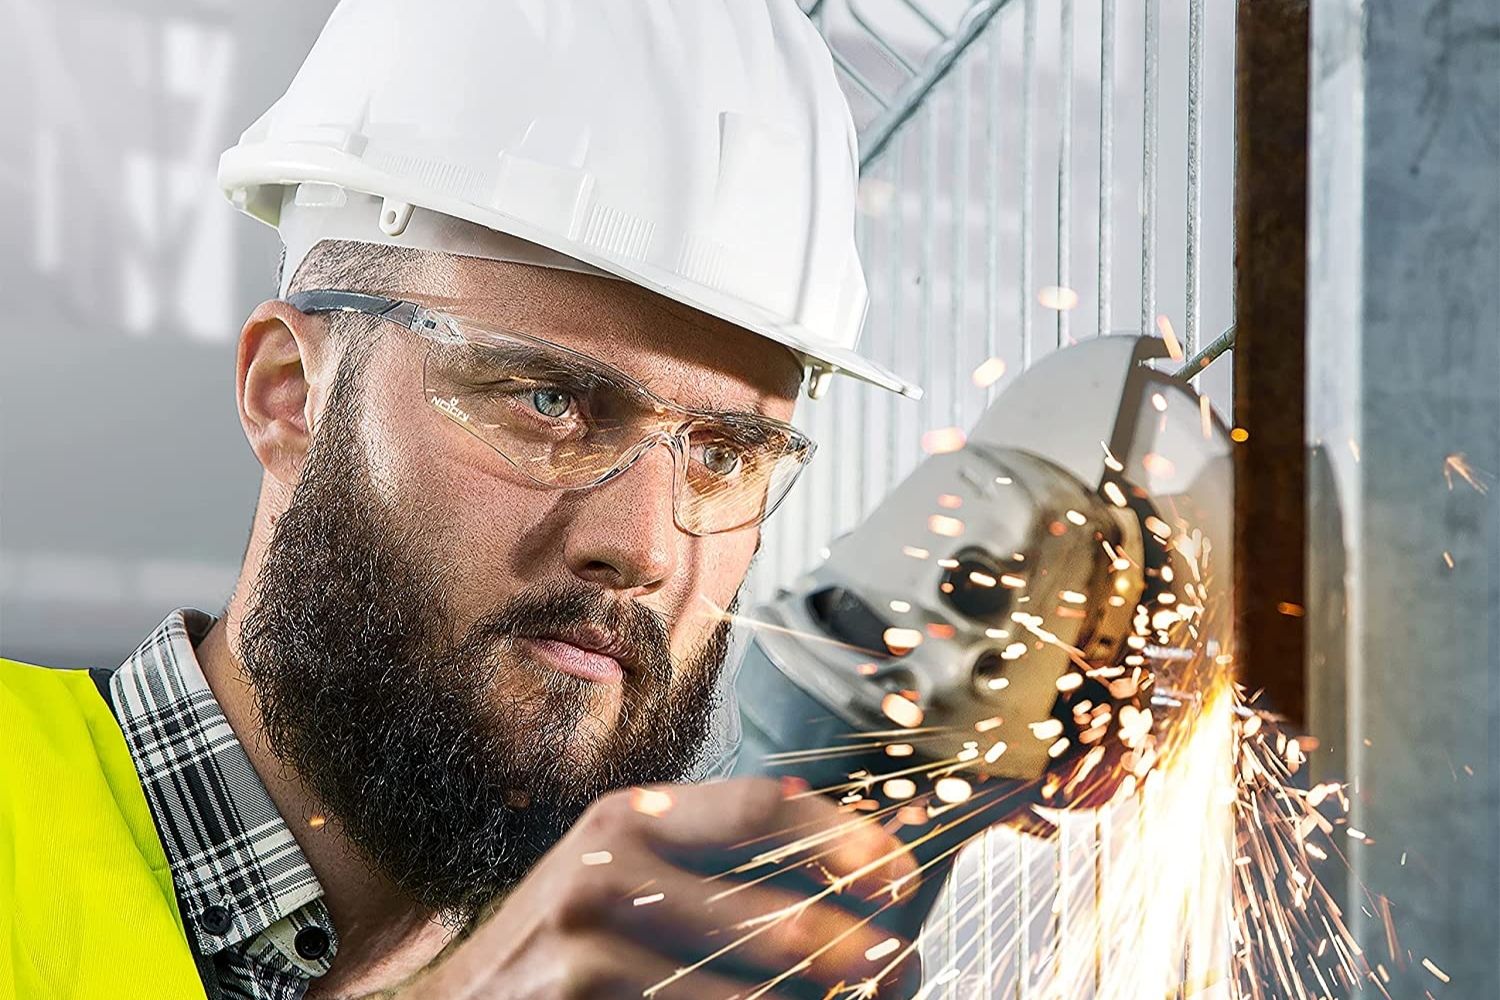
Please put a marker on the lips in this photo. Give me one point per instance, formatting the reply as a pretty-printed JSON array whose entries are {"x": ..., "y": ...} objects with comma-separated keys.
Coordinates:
[{"x": 589, "y": 652}]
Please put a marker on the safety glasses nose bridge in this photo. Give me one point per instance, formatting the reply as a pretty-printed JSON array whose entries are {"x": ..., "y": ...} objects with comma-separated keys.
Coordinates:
[{"x": 676, "y": 442}]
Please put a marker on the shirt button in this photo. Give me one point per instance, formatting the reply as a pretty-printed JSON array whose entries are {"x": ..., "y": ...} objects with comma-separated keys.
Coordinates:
[
  {"x": 312, "y": 943},
  {"x": 215, "y": 920}
]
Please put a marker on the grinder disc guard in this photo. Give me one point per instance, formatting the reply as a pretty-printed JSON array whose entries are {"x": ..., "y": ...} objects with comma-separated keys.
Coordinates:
[{"x": 1011, "y": 602}]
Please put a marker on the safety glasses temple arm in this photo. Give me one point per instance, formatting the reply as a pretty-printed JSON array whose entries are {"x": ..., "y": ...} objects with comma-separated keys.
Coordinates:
[{"x": 329, "y": 300}]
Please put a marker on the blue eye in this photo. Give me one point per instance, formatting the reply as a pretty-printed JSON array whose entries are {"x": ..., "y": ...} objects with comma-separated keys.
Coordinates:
[
  {"x": 721, "y": 460},
  {"x": 551, "y": 402}
]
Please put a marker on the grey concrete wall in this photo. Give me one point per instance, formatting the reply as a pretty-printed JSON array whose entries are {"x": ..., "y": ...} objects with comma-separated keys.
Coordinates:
[{"x": 1404, "y": 358}]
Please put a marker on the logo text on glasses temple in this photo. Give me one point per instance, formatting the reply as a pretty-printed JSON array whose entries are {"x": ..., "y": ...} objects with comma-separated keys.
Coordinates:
[{"x": 451, "y": 407}]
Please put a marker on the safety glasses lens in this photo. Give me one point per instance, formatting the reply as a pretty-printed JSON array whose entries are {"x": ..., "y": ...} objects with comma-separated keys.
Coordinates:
[{"x": 569, "y": 423}]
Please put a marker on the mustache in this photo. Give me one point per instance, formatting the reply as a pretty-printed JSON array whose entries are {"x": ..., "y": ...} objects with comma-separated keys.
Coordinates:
[{"x": 638, "y": 636}]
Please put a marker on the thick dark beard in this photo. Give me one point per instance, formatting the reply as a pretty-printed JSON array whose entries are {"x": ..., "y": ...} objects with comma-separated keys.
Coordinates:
[{"x": 448, "y": 781}]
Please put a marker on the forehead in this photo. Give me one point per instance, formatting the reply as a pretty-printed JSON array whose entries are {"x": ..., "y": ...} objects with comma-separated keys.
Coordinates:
[{"x": 682, "y": 354}]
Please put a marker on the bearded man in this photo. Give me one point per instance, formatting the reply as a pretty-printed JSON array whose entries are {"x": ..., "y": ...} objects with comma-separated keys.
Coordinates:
[{"x": 554, "y": 276}]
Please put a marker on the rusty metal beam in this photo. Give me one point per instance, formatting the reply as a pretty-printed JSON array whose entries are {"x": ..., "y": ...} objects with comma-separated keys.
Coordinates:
[{"x": 1270, "y": 371}]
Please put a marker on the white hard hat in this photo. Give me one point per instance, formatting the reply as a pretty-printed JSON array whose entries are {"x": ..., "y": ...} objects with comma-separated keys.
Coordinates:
[{"x": 701, "y": 149}]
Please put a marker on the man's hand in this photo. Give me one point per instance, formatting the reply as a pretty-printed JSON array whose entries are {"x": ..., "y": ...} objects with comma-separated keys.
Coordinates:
[{"x": 627, "y": 904}]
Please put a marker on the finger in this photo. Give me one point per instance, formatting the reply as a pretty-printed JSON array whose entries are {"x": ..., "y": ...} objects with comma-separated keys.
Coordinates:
[
  {"x": 756, "y": 821},
  {"x": 762, "y": 929},
  {"x": 604, "y": 966}
]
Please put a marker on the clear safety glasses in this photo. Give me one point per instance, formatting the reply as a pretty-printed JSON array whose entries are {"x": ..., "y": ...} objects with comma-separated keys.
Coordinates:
[{"x": 568, "y": 421}]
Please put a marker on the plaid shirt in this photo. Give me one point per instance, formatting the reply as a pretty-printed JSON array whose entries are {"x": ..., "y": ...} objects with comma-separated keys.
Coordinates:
[{"x": 251, "y": 903}]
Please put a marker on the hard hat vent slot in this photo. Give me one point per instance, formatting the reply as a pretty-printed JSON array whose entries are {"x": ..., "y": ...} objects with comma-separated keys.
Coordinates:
[{"x": 619, "y": 233}]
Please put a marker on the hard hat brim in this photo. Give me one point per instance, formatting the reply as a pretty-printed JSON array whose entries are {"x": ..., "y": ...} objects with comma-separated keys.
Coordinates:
[{"x": 254, "y": 176}]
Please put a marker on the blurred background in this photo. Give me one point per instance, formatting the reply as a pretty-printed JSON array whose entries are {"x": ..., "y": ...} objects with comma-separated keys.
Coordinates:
[{"x": 127, "y": 485}]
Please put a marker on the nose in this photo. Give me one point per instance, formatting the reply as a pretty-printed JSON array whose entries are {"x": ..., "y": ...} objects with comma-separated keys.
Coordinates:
[{"x": 623, "y": 536}]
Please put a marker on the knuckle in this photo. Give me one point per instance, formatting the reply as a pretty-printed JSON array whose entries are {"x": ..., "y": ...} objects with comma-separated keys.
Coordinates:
[
  {"x": 584, "y": 971},
  {"x": 607, "y": 812},
  {"x": 759, "y": 800},
  {"x": 577, "y": 980},
  {"x": 795, "y": 936},
  {"x": 608, "y": 820}
]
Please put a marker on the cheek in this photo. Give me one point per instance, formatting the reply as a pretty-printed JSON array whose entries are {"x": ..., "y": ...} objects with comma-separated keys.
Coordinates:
[
  {"x": 713, "y": 576},
  {"x": 393, "y": 428},
  {"x": 387, "y": 458},
  {"x": 454, "y": 497}
]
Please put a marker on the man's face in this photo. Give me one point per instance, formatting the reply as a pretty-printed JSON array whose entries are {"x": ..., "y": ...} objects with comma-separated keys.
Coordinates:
[{"x": 419, "y": 634}]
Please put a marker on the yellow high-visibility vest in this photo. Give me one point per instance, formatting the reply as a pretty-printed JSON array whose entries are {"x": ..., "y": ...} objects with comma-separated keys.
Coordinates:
[{"x": 86, "y": 902}]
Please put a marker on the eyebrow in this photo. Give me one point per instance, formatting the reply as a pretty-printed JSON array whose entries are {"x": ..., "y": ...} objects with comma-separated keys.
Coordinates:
[
  {"x": 733, "y": 412},
  {"x": 607, "y": 374}
]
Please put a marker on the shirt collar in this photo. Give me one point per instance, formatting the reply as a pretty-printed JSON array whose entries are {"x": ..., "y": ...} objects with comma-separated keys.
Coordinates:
[{"x": 241, "y": 879}]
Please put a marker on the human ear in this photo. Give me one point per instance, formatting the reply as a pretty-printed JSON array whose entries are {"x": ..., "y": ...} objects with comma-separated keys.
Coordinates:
[{"x": 275, "y": 385}]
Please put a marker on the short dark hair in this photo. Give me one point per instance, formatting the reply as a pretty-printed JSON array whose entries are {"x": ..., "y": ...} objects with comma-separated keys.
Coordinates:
[{"x": 356, "y": 267}]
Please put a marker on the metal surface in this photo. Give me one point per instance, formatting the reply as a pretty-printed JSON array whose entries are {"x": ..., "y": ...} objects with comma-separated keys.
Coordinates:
[
  {"x": 961, "y": 240},
  {"x": 1151, "y": 128},
  {"x": 1194, "y": 175},
  {"x": 1106, "y": 212},
  {"x": 1271, "y": 280},
  {"x": 1403, "y": 407},
  {"x": 1215, "y": 349}
]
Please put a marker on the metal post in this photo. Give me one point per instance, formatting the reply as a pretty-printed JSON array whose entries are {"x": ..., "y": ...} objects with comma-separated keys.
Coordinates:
[
  {"x": 1106, "y": 160},
  {"x": 1194, "y": 276},
  {"x": 1270, "y": 289},
  {"x": 1404, "y": 425},
  {"x": 1065, "y": 164},
  {"x": 1150, "y": 128},
  {"x": 1028, "y": 171}
]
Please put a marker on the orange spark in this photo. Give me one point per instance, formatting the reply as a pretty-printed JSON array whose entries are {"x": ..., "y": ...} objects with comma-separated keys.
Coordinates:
[
  {"x": 901, "y": 711},
  {"x": 650, "y": 801},
  {"x": 943, "y": 440},
  {"x": 1174, "y": 346},
  {"x": 902, "y": 640},
  {"x": 989, "y": 373},
  {"x": 942, "y": 524},
  {"x": 1057, "y": 297},
  {"x": 1159, "y": 465},
  {"x": 1457, "y": 464}
]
